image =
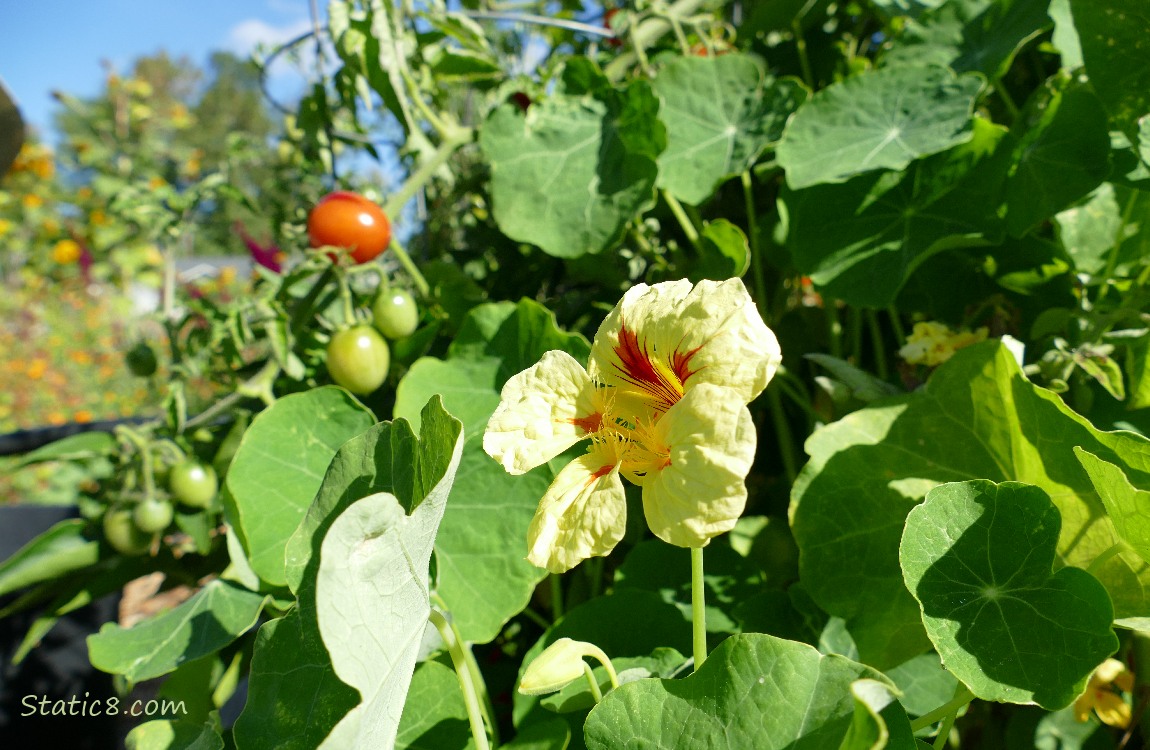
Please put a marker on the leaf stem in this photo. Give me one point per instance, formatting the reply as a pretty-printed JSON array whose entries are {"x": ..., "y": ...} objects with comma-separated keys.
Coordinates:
[
  {"x": 470, "y": 700},
  {"x": 962, "y": 697},
  {"x": 896, "y": 324},
  {"x": 684, "y": 221},
  {"x": 753, "y": 240},
  {"x": 877, "y": 343},
  {"x": 1007, "y": 99},
  {"x": 1104, "y": 557},
  {"x": 783, "y": 434},
  {"x": 698, "y": 608}
]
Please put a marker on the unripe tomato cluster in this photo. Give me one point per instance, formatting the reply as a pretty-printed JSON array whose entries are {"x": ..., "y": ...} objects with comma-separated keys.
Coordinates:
[
  {"x": 358, "y": 357},
  {"x": 130, "y": 529}
]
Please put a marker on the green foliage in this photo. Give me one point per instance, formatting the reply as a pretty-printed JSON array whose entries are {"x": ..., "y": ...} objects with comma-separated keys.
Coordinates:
[{"x": 977, "y": 557}]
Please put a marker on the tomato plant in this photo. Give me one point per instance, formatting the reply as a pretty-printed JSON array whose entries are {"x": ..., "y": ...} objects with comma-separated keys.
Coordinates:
[
  {"x": 152, "y": 515},
  {"x": 395, "y": 313},
  {"x": 358, "y": 359},
  {"x": 193, "y": 483},
  {"x": 350, "y": 221},
  {"x": 122, "y": 533}
]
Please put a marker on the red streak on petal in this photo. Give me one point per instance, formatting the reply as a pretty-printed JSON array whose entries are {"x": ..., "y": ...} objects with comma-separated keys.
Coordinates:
[
  {"x": 589, "y": 424},
  {"x": 599, "y": 473},
  {"x": 636, "y": 367},
  {"x": 681, "y": 363}
]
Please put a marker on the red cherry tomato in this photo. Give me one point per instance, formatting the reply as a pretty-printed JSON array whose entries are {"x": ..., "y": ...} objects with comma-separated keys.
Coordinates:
[{"x": 348, "y": 220}]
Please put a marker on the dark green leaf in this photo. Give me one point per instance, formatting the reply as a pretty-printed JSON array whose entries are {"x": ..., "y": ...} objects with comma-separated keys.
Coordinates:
[{"x": 977, "y": 556}]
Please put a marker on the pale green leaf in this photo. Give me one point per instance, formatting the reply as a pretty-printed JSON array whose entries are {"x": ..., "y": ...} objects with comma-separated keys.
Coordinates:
[
  {"x": 720, "y": 112},
  {"x": 377, "y": 556},
  {"x": 882, "y": 119}
]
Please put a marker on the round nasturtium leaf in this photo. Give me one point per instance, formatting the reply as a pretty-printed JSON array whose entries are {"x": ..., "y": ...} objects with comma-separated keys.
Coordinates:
[
  {"x": 977, "y": 556},
  {"x": 755, "y": 691},
  {"x": 721, "y": 113},
  {"x": 884, "y": 119}
]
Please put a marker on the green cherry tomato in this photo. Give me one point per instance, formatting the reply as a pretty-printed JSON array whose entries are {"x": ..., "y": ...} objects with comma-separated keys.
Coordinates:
[
  {"x": 153, "y": 515},
  {"x": 193, "y": 484},
  {"x": 122, "y": 533},
  {"x": 395, "y": 313},
  {"x": 141, "y": 360},
  {"x": 357, "y": 359}
]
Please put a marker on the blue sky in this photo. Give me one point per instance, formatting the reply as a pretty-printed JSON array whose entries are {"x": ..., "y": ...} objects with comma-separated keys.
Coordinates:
[{"x": 59, "y": 44}]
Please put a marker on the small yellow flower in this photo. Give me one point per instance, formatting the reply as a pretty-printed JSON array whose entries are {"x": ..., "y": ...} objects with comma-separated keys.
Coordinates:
[
  {"x": 1103, "y": 697},
  {"x": 66, "y": 252},
  {"x": 5, "y": 227},
  {"x": 31, "y": 201},
  {"x": 98, "y": 218},
  {"x": 932, "y": 343},
  {"x": 82, "y": 416}
]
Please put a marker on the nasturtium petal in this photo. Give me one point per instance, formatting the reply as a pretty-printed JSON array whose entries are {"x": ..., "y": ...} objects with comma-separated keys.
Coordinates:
[
  {"x": 542, "y": 412},
  {"x": 674, "y": 335},
  {"x": 754, "y": 691},
  {"x": 882, "y": 119},
  {"x": 582, "y": 515},
  {"x": 977, "y": 556},
  {"x": 700, "y": 493}
]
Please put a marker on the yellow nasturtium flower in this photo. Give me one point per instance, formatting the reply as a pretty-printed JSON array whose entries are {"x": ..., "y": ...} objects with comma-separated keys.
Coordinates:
[
  {"x": 932, "y": 343},
  {"x": 672, "y": 369},
  {"x": 1102, "y": 698}
]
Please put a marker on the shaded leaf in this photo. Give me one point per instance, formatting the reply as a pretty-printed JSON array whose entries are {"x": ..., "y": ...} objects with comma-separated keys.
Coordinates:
[{"x": 977, "y": 556}]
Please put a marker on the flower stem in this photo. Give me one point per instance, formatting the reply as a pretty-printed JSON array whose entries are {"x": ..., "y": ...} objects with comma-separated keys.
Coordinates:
[
  {"x": 470, "y": 699},
  {"x": 698, "y": 608},
  {"x": 556, "y": 597},
  {"x": 596, "y": 693}
]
